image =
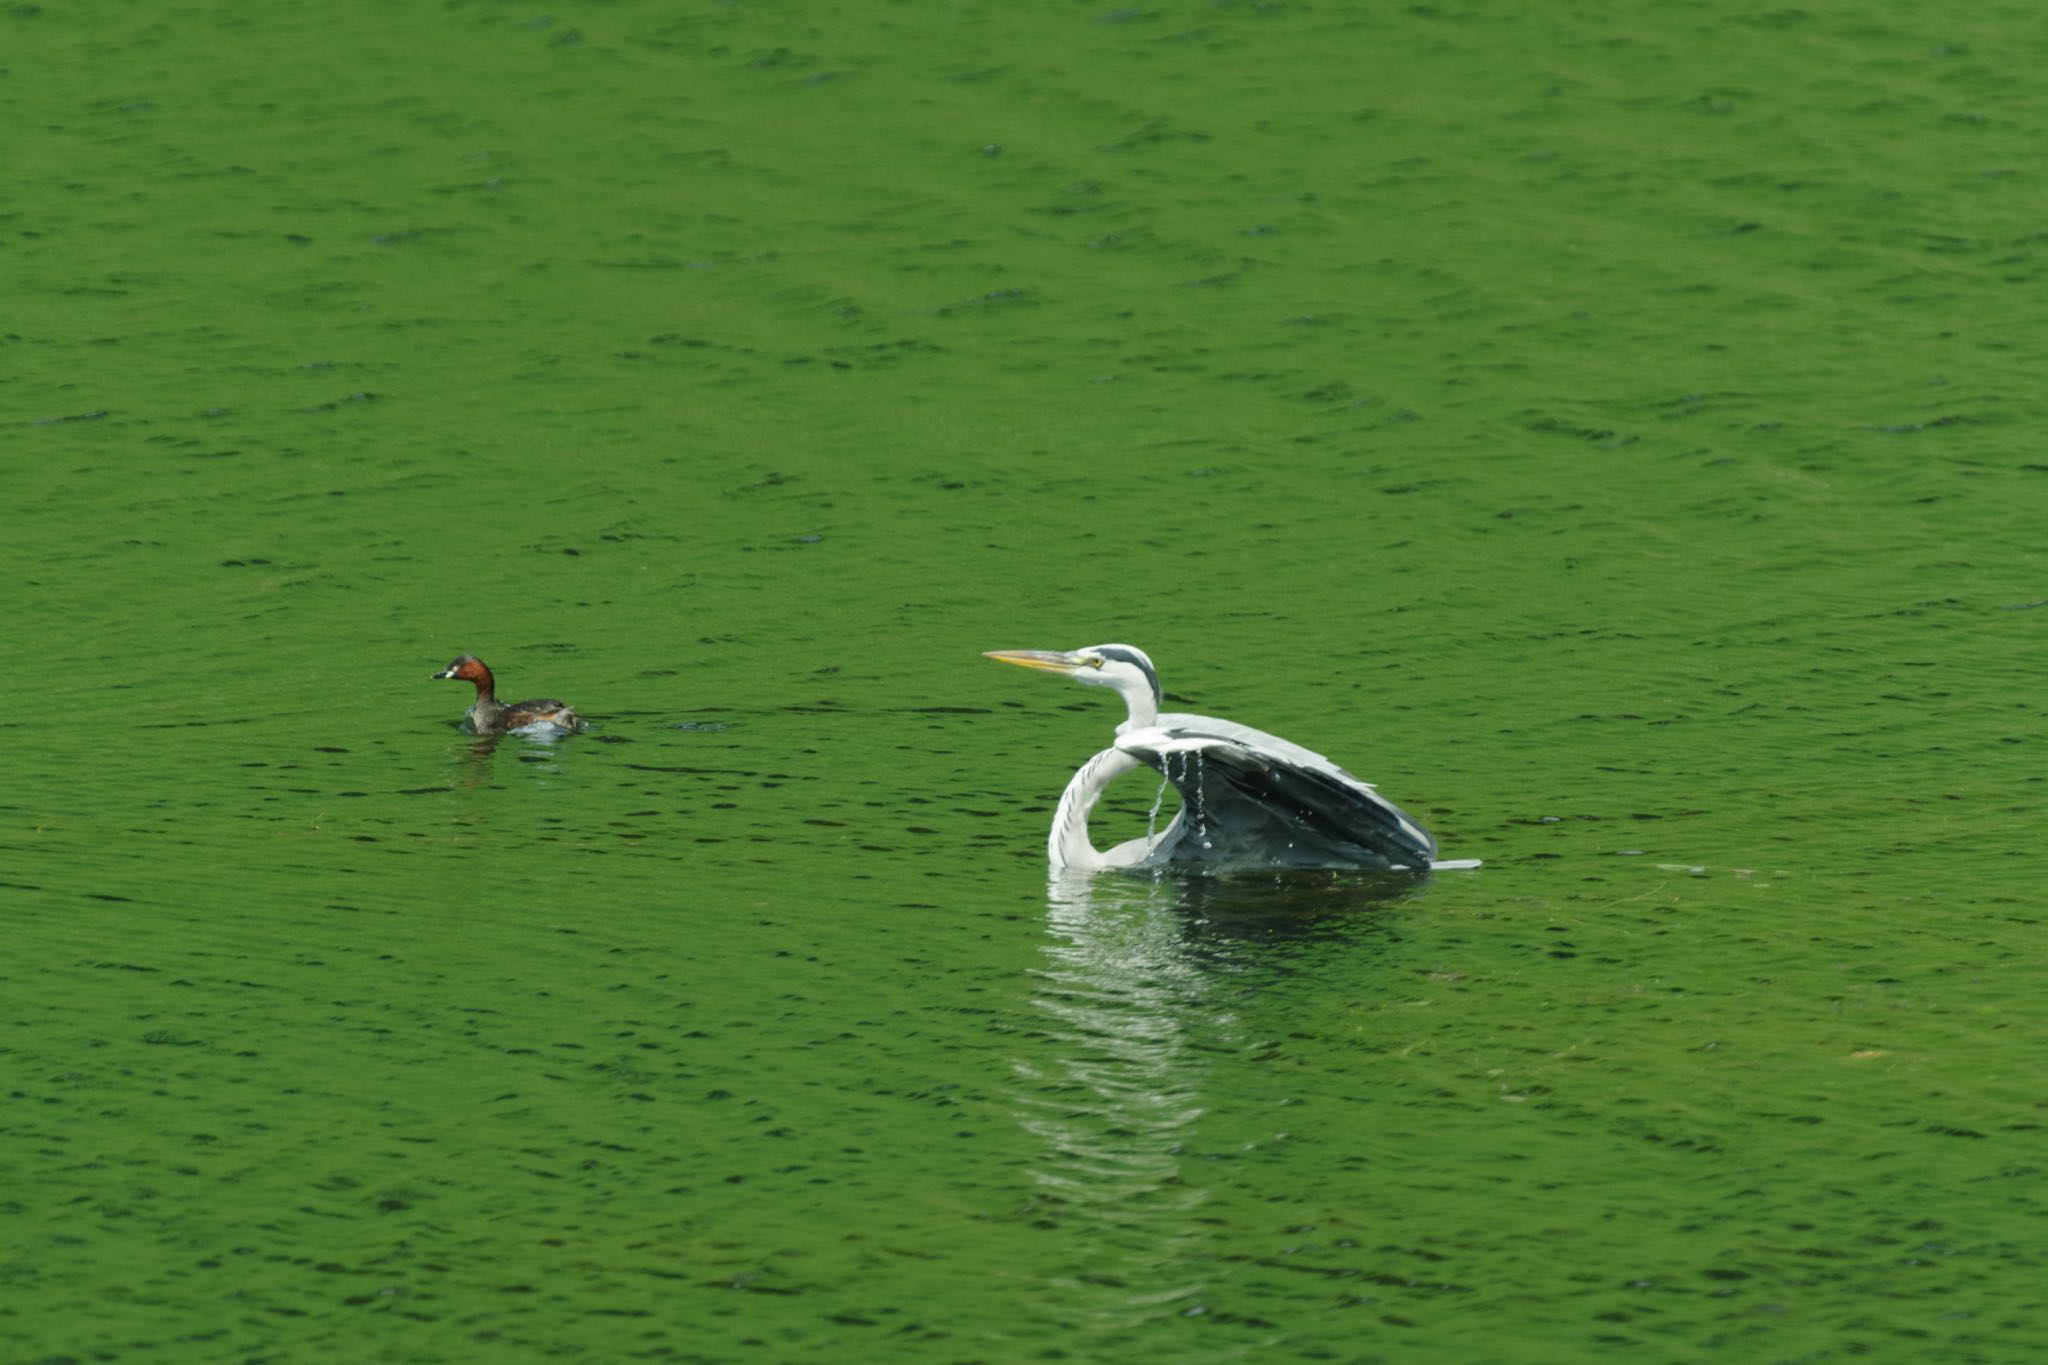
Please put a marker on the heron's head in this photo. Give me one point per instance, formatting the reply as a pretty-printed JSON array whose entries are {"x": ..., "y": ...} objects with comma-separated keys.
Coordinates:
[{"x": 1123, "y": 667}]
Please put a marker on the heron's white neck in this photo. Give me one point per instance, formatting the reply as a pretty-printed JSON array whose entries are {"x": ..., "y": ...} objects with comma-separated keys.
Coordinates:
[{"x": 1144, "y": 710}]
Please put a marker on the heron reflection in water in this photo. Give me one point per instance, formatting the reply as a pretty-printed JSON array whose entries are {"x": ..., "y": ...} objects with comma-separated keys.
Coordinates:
[
  {"x": 1154, "y": 995},
  {"x": 1248, "y": 799}
]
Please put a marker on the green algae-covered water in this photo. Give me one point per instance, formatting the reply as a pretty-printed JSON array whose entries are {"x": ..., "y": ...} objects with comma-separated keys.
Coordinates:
[{"x": 1611, "y": 430}]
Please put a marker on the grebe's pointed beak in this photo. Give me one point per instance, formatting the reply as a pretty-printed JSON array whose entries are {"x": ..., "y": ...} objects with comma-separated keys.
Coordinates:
[
  {"x": 444, "y": 673},
  {"x": 1053, "y": 661}
]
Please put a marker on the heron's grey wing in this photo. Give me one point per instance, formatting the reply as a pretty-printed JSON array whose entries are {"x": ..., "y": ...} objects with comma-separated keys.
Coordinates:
[{"x": 1255, "y": 798}]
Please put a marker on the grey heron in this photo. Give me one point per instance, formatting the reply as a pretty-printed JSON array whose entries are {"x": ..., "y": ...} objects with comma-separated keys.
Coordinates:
[{"x": 1247, "y": 798}]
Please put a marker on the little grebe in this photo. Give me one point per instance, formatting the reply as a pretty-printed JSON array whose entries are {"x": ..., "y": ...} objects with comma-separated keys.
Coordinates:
[{"x": 489, "y": 716}]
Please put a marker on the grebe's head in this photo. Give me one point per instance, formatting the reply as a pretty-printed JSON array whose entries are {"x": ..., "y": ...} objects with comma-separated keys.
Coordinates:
[
  {"x": 468, "y": 668},
  {"x": 1122, "y": 667}
]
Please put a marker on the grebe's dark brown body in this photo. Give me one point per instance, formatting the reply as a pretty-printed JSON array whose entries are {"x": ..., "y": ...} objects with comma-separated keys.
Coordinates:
[{"x": 489, "y": 716}]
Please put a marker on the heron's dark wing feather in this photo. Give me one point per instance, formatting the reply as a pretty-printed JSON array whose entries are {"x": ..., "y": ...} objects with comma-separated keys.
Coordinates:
[{"x": 1255, "y": 798}]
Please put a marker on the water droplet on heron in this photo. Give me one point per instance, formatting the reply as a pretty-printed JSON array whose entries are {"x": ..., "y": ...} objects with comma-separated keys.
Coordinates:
[{"x": 1152, "y": 816}]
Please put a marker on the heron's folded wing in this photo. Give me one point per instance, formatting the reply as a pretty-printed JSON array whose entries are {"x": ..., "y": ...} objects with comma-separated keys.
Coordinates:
[{"x": 1256, "y": 795}]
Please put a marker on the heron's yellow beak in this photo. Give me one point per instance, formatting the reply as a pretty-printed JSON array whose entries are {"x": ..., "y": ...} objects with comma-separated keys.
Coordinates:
[{"x": 1051, "y": 660}]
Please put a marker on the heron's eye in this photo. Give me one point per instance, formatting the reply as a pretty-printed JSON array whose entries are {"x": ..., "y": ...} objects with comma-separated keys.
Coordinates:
[{"x": 1095, "y": 663}]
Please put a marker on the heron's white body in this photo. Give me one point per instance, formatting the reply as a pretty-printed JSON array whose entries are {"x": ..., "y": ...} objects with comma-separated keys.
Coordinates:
[
  {"x": 1248, "y": 798},
  {"x": 1180, "y": 746},
  {"x": 1068, "y": 846}
]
